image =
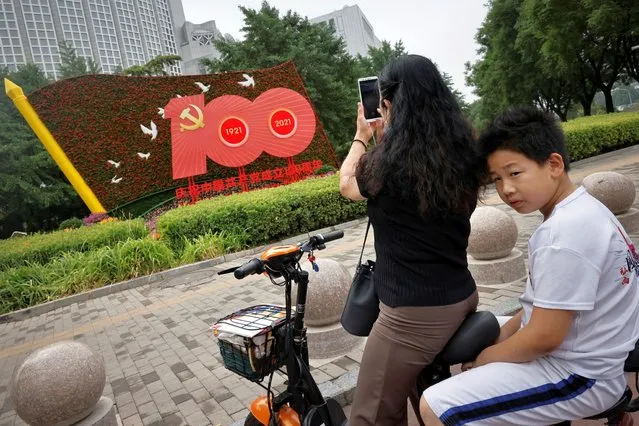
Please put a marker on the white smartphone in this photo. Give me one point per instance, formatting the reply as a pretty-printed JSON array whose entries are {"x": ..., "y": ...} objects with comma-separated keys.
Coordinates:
[{"x": 369, "y": 97}]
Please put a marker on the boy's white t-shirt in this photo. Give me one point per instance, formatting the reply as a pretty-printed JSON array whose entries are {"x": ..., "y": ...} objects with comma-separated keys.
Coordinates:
[{"x": 581, "y": 259}]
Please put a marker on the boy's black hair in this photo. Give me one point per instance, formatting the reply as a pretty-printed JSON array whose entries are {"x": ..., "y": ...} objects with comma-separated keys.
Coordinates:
[{"x": 526, "y": 130}]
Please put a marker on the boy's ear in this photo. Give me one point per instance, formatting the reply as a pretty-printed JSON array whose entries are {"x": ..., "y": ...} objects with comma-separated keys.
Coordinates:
[{"x": 556, "y": 164}]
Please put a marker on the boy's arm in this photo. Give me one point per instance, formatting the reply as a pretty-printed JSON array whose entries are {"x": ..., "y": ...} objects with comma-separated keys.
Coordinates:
[
  {"x": 544, "y": 333},
  {"x": 565, "y": 282},
  {"x": 510, "y": 327}
]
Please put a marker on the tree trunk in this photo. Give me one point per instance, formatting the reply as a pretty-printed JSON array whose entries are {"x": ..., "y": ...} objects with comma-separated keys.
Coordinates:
[
  {"x": 563, "y": 115},
  {"x": 607, "y": 91},
  {"x": 587, "y": 96}
]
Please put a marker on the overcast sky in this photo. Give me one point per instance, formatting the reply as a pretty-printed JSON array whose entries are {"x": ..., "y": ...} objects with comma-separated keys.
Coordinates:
[{"x": 442, "y": 30}]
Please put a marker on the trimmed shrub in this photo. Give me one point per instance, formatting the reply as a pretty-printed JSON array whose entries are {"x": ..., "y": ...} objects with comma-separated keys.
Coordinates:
[
  {"x": 326, "y": 168},
  {"x": 42, "y": 248},
  {"x": 262, "y": 216},
  {"x": 73, "y": 223},
  {"x": 589, "y": 136}
]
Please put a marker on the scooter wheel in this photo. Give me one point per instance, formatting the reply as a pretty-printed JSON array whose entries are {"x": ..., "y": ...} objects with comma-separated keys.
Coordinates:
[{"x": 252, "y": 421}]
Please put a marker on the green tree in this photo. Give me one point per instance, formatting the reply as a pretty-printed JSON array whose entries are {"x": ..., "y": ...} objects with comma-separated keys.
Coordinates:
[
  {"x": 511, "y": 69},
  {"x": 34, "y": 194},
  {"x": 329, "y": 73},
  {"x": 156, "y": 66},
  {"x": 72, "y": 65},
  {"x": 477, "y": 116},
  {"x": 459, "y": 96},
  {"x": 614, "y": 27},
  {"x": 378, "y": 57},
  {"x": 588, "y": 42},
  {"x": 499, "y": 77}
]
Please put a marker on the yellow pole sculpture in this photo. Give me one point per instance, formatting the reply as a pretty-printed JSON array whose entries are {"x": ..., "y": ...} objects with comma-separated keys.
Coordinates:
[{"x": 31, "y": 116}]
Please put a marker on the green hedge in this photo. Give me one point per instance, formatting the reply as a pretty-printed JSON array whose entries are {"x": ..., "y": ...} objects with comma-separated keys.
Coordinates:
[
  {"x": 589, "y": 136},
  {"x": 41, "y": 248},
  {"x": 262, "y": 216},
  {"x": 72, "y": 223},
  {"x": 73, "y": 273}
]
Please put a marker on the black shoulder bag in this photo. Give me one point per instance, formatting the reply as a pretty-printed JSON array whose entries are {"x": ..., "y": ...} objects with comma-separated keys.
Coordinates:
[{"x": 362, "y": 305}]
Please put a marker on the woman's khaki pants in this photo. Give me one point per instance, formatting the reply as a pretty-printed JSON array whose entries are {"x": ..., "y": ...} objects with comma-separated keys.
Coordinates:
[{"x": 402, "y": 342}]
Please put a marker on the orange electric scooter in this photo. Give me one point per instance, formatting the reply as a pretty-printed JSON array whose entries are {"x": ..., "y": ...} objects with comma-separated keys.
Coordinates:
[{"x": 283, "y": 343}]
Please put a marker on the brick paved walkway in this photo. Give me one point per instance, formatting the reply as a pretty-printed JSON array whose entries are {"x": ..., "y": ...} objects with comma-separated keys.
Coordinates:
[{"x": 162, "y": 361}]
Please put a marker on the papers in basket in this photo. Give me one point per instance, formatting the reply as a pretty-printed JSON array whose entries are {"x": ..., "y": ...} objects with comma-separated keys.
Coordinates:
[{"x": 251, "y": 322}]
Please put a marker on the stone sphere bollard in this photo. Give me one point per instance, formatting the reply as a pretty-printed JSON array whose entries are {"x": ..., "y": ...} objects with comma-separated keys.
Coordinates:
[
  {"x": 493, "y": 234},
  {"x": 59, "y": 384},
  {"x": 327, "y": 292},
  {"x": 614, "y": 190},
  {"x": 493, "y": 260}
]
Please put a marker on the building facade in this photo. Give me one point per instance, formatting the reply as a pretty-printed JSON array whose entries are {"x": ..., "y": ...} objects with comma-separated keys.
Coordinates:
[
  {"x": 194, "y": 41},
  {"x": 351, "y": 24},
  {"x": 115, "y": 33}
]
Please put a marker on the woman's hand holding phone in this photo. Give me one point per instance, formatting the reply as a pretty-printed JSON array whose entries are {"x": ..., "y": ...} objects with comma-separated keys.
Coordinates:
[{"x": 365, "y": 128}]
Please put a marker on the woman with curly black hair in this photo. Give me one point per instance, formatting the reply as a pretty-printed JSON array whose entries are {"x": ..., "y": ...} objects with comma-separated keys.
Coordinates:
[{"x": 421, "y": 182}]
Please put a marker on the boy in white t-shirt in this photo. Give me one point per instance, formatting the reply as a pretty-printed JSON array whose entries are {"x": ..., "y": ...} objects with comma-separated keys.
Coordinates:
[{"x": 561, "y": 357}]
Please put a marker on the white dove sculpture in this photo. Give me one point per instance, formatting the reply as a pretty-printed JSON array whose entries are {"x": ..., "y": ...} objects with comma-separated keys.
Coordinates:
[
  {"x": 144, "y": 156},
  {"x": 153, "y": 131},
  {"x": 161, "y": 112},
  {"x": 116, "y": 179},
  {"x": 203, "y": 87},
  {"x": 248, "y": 81},
  {"x": 114, "y": 164}
]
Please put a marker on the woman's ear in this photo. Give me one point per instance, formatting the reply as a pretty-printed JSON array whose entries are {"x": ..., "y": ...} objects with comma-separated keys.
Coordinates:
[
  {"x": 385, "y": 111},
  {"x": 556, "y": 164}
]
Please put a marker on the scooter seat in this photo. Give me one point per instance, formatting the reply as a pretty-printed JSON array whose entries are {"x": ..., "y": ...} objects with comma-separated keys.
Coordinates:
[
  {"x": 632, "y": 362},
  {"x": 616, "y": 409},
  {"x": 478, "y": 331}
]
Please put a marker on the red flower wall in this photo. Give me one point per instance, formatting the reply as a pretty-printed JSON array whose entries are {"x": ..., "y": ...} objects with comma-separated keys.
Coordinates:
[{"x": 97, "y": 118}]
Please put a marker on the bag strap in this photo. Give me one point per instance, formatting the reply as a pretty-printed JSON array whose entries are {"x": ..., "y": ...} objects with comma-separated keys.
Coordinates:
[{"x": 364, "y": 245}]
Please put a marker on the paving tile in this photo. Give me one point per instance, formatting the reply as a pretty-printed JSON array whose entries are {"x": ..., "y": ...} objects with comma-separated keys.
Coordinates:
[
  {"x": 128, "y": 410},
  {"x": 232, "y": 405},
  {"x": 147, "y": 409},
  {"x": 197, "y": 418},
  {"x": 179, "y": 399},
  {"x": 333, "y": 370},
  {"x": 153, "y": 419},
  {"x": 175, "y": 419},
  {"x": 200, "y": 395},
  {"x": 134, "y": 420},
  {"x": 187, "y": 407}
]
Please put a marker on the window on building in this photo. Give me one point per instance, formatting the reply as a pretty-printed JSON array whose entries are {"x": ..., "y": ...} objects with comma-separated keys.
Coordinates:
[{"x": 203, "y": 39}]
